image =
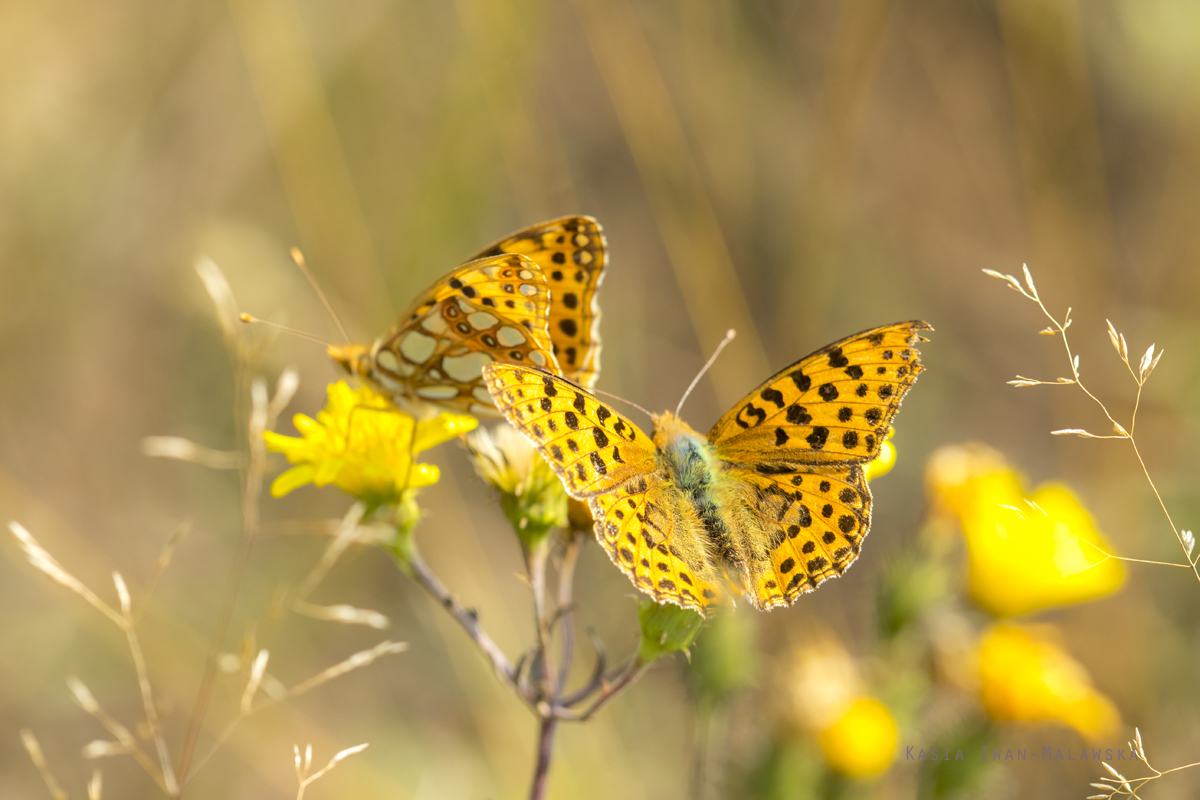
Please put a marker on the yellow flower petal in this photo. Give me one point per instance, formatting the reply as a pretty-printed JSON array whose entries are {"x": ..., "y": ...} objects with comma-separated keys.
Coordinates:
[
  {"x": 1025, "y": 676},
  {"x": 1025, "y": 552},
  {"x": 442, "y": 428},
  {"x": 294, "y": 478},
  {"x": 424, "y": 475},
  {"x": 883, "y": 464}
]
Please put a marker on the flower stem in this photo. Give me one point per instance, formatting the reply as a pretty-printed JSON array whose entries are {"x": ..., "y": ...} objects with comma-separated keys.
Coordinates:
[
  {"x": 419, "y": 571},
  {"x": 566, "y": 580},
  {"x": 549, "y": 725}
]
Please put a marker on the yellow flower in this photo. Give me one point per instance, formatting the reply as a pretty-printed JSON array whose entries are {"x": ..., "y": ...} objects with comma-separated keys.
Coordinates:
[
  {"x": 822, "y": 680},
  {"x": 883, "y": 464},
  {"x": 862, "y": 743},
  {"x": 856, "y": 732},
  {"x": 1025, "y": 676},
  {"x": 1025, "y": 551},
  {"x": 363, "y": 445}
]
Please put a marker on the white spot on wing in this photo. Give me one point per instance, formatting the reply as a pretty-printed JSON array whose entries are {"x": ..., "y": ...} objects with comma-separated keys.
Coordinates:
[
  {"x": 417, "y": 347},
  {"x": 537, "y": 358},
  {"x": 387, "y": 359},
  {"x": 481, "y": 394},
  {"x": 434, "y": 324},
  {"x": 387, "y": 381},
  {"x": 481, "y": 320},
  {"x": 466, "y": 368},
  {"x": 509, "y": 336},
  {"x": 437, "y": 392},
  {"x": 528, "y": 289},
  {"x": 526, "y": 275}
]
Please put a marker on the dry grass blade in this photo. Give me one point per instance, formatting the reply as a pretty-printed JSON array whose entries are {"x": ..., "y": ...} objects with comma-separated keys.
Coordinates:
[
  {"x": 102, "y": 748},
  {"x": 356, "y": 661},
  {"x": 96, "y": 786},
  {"x": 1145, "y": 364},
  {"x": 1118, "y": 342},
  {"x": 180, "y": 449},
  {"x": 256, "y": 675},
  {"x": 1153, "y": 363},
  {"x": 143, "y": 677},
  {"x": 87, "y": 701},
  {"x": 34, "y": 748},
  {"x": 347, "y": 615},
  {"x": 1022, "y": 381},
  {"x": 1012, "y": 282},
  {"x": 285, "y": 390},
  {"x": 347, "y": 534},
  {"x": 222, "y": 297},
  {"x": 305, "y": 764},
  {"x": 41, "y": 558},
  {"x": 161, "y": 563},
  {"x": 1029, "y": 283}
]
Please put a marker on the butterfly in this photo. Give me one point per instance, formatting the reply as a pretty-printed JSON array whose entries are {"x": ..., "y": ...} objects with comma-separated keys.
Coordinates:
[
  {"x": 530, "y": 298},
  {"x": 774, "y": 498}
]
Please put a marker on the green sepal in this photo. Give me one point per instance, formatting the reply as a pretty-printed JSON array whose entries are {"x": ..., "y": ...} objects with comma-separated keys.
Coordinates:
[{"x": 666, "y": 628}]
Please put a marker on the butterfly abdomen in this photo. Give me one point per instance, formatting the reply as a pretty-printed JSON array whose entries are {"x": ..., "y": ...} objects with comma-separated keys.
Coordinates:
[{"x": 694, "y": 468}]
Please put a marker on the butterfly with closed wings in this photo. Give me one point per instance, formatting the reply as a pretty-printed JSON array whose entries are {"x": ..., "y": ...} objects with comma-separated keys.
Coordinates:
[
  {"x": 522, "y": 300},
  {"x": 774, "y": 498}
]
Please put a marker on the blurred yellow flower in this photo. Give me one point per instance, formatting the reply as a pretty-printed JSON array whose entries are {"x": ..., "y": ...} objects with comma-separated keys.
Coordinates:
[
  {"x": 1025, "y": 551},
  {"x": 1025, "y": 676},
  {"x": 856, "y": 732},
  {"x": 822, "y": 681},
  {"x": 883, "y": 464},
  {"x": 363, "y": 445},
  {"x": 863, "y": 742}
]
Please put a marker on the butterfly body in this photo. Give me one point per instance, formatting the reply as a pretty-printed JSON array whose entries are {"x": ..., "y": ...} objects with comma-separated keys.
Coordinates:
[{"x": 774, "y": 497}]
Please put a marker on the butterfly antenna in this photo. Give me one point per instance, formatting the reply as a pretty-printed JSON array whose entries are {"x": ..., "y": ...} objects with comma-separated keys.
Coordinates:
[
  {"x": 298, "y": 257},
  {"x": 729, "y": 334},
  {"x": 284, "y": 328},
  {"x": 623, "y": 400}
]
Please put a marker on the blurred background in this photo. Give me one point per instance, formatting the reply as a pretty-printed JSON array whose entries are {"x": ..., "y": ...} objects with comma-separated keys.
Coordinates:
[{"x": 797, "y": 171}]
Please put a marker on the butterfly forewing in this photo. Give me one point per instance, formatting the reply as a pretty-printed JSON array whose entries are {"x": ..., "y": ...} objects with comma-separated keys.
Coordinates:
[
  {"x": 591, "y": 447},
  {"x": 815, "y": 525},
  {"x": 572, "y": 253},
  {"x": 832, "y": 407},
  {"x": 492, "y": 309}
]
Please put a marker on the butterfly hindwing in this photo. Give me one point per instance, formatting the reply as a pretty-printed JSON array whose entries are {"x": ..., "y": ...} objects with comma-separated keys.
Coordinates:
[
  {"x": 634, "y": 528},
  {"x": 592, "y": 448},
  {"x": 491, "y": 309},
  {"x": 814, "y": 522},
  {"x": 572, "y": 253},
  {"x": 832, "y": 407}
]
